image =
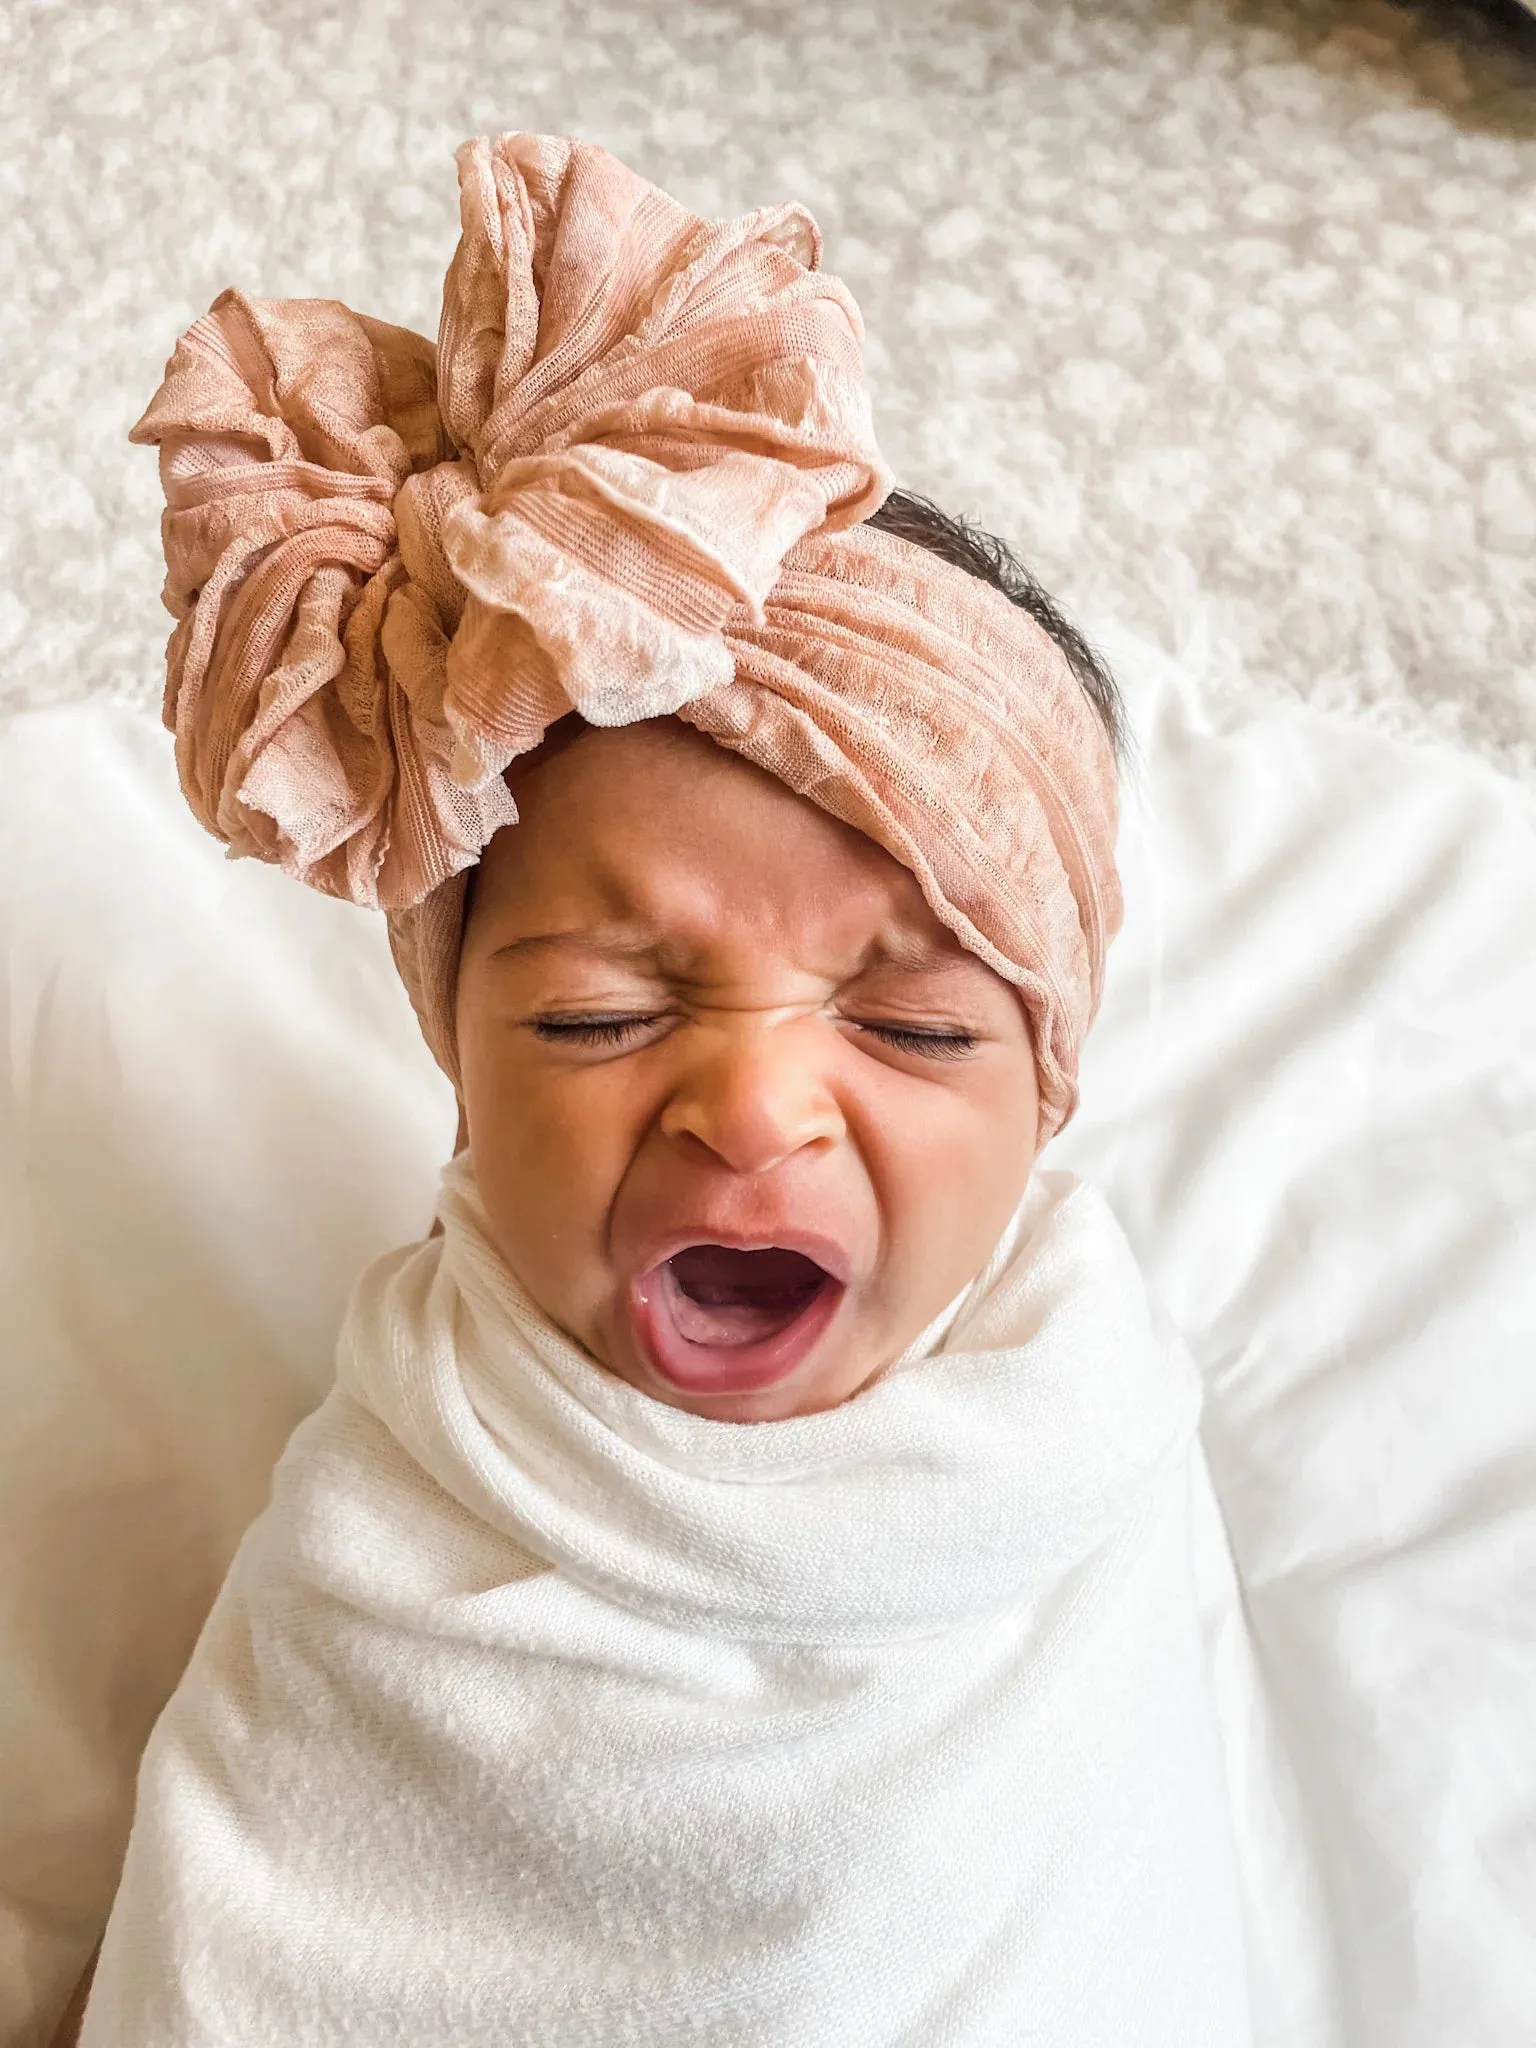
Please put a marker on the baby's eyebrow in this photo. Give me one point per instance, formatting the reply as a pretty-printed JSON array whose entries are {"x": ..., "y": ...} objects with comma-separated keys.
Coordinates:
[
  {"x": 914, "y": 952},
  {"x": 611, "y": 942},
  {"x": 905, "y": 950}
]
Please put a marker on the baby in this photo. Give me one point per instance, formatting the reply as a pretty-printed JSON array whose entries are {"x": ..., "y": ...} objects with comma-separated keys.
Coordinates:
[{"x": 738, "y": 1591}]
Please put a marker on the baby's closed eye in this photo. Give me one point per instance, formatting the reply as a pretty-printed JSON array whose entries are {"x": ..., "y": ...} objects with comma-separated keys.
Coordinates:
[{"x": 616, "y": 1030}]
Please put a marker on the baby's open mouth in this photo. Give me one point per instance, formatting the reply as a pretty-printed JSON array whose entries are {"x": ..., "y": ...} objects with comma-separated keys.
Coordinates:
[{"x": 717, "y": 1319}]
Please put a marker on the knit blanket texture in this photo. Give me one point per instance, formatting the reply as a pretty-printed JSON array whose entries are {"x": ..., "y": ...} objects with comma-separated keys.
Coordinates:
[{"x": 536, "y": 1710}]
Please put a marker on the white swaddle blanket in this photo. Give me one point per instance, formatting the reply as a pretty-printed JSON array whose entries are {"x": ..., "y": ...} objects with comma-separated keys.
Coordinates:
[{"x": 534, "y": 1711}]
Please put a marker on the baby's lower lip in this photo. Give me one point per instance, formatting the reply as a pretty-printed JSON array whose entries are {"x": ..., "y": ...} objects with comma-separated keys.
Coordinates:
[{"x": 723, "y": 1368}]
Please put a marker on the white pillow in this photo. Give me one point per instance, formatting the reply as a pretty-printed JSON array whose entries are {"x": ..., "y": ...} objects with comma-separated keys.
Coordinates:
[{"x": 1309, "y": 1097}]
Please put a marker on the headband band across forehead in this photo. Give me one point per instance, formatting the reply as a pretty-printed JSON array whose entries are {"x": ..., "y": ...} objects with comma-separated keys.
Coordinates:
[{"x": 629, "y": 481}]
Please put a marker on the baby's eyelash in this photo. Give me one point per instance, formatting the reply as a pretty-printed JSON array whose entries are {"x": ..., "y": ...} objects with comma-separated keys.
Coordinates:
[
  {"x": 934, "y": 1045},
  {"x": 590, "y": 1030},
  {"x": 614, "y": 1031}
]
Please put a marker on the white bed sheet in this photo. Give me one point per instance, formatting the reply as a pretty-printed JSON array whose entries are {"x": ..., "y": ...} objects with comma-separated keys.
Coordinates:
[{"x": 1311, "y": 1098}]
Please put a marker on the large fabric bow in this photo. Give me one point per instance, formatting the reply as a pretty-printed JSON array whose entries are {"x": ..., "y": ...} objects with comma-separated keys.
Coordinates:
[
  {"x": 392, "y": 567},
  {"x": 629, "y": 481}
]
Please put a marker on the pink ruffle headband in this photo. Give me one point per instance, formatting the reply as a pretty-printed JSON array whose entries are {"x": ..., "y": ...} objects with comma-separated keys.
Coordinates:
[{"x": 628, "y": 481}]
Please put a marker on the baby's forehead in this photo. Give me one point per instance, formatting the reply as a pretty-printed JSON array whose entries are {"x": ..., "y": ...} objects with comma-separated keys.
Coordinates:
[
  {"x": 656, "y": 821},
  {"x": 656, "y": 850}
]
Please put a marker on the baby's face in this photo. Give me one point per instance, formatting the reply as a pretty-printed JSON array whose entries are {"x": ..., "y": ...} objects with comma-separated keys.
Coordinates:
[{"x": 745, "y": 1117}]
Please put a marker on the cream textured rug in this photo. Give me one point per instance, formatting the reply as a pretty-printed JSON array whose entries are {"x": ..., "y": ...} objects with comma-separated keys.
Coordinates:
[{"x": 1224, "y": 311}]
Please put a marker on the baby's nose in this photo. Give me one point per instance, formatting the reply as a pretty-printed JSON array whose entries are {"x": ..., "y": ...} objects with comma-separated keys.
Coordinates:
[{"x": 754, "y": 1096}]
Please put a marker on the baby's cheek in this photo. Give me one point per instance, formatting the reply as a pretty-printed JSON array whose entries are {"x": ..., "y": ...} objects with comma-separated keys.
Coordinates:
[
  {"x": 948, "y": 1179},
  {"x": 548, "y": 1156}
]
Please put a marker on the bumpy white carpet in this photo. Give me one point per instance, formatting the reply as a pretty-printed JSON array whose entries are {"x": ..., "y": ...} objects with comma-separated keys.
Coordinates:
[{"x": 1223, "y": 310}]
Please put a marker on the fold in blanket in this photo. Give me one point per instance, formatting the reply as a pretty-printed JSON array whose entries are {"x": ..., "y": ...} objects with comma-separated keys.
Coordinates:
[{"x": 536, "y": 1711}]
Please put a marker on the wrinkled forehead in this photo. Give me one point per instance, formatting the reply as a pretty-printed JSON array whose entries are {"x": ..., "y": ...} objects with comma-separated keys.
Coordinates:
[{"x": 652, "y": 838}]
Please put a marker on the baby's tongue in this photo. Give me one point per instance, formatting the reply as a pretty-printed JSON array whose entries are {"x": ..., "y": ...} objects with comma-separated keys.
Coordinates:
[{"x": 723, "y": 1296}]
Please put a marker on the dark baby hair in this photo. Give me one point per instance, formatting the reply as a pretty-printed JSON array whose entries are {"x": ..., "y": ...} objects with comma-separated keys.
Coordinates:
[{"x": 917, "y": 519}]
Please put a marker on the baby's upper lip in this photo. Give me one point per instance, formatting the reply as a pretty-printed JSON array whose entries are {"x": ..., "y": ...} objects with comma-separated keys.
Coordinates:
[{"x": 655, "y": 1248}]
